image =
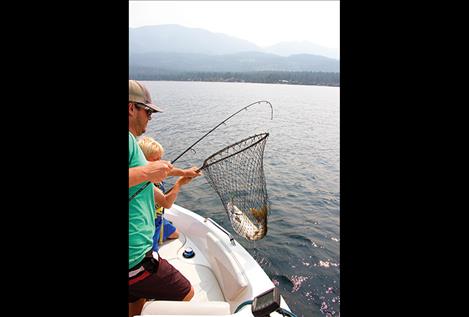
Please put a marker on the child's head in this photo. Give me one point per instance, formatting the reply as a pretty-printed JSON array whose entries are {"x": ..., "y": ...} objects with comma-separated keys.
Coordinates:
[{"x": 153, "y": 150}]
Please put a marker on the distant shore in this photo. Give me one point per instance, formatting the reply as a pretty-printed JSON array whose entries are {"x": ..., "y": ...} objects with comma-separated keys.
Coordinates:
[{"x": 265, "y": 77}]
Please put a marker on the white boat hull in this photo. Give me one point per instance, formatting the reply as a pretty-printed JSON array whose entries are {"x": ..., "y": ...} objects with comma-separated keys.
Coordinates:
[{"x": 223, "y": 273}]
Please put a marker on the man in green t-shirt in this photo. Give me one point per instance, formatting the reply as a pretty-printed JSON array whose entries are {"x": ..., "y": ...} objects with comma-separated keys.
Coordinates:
[{"x": 150, "y": 276}]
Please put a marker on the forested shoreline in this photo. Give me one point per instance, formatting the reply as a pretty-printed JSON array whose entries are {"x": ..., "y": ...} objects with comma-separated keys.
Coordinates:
[{"x": 281, "y": 77}]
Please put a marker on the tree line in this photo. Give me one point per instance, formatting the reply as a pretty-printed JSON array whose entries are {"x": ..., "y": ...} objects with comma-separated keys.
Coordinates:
[{"x": 282, "y": 77}]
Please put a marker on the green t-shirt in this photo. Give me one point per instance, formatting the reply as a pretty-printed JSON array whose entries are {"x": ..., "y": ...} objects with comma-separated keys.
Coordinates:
[{"x": 141, "y": 210}]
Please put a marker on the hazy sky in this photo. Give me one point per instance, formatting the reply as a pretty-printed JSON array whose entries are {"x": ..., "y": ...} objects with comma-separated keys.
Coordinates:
[{"x": 261, "y": 22}]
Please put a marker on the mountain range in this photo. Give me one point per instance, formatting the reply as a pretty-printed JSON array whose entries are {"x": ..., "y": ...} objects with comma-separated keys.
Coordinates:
[{"x": 177, "y": 48}]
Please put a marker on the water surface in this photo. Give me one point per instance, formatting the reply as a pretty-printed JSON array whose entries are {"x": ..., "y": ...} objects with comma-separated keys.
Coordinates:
[{"x": 301, "y": 163}]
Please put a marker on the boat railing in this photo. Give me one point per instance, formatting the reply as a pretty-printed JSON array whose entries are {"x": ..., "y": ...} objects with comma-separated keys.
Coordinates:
[{"x": 232, "y": 240}]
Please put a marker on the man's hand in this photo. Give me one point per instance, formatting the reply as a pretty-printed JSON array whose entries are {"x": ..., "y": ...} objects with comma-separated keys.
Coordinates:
[{"x": 158, "y": 170}]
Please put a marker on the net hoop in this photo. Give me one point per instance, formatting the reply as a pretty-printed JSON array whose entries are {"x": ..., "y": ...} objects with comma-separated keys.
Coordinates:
[{"x": 261, "y": 135}]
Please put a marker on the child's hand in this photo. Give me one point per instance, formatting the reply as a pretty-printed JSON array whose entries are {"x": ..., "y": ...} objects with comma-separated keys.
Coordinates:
[
  {"x": 183, "y": 180},
  {"x": 192, "y": 172}
]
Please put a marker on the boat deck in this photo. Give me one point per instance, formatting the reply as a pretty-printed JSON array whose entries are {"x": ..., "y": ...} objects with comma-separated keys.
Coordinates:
[{"x": 196, "y": 269}]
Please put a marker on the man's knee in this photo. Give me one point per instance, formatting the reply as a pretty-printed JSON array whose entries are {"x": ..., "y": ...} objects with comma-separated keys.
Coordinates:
[
  {"x": 189, "y": 295},
  {"x": 174, "y": 235}
]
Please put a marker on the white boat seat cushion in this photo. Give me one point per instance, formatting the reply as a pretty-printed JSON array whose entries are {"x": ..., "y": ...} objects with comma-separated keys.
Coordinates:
[
  {"x": 225, "y": 267},
  {"x": 185, "y": 308}
]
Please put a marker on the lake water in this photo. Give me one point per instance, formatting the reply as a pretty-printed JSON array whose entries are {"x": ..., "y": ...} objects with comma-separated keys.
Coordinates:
[{"x": 301, "y": 163}]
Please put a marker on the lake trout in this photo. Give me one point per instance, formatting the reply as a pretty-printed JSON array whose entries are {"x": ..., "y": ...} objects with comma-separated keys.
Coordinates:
[{"x": 243, "y": 226}]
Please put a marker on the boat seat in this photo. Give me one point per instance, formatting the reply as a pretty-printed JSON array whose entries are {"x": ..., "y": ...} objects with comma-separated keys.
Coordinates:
[
  {"x": 225, "y": 267},
  {"x": 185, "y": 308},
  {"x": 206, "y": 287}
]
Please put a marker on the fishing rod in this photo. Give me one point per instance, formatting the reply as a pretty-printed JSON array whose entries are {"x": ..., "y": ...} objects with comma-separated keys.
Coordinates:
[{"x": 190, "y": 147}]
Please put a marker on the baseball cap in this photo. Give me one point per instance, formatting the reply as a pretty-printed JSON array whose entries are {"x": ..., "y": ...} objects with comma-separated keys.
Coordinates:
[{"x": 139, "y": 94}]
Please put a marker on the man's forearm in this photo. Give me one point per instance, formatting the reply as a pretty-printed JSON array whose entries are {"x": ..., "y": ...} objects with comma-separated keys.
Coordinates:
[
  {"x": 137, "y": 175},
  {"x": 152, "y": 171}
]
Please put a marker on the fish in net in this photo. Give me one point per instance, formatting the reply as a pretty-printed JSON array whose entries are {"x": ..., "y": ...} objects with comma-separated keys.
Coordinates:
[{"x": 236, "y": 173}]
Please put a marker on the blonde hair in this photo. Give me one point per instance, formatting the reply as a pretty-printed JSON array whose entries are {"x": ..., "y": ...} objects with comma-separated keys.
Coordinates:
[{"x": 149, "y": 146}]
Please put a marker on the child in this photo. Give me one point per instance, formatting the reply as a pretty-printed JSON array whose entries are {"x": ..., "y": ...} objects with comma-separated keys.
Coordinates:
[{"x": 153, "y": 151}]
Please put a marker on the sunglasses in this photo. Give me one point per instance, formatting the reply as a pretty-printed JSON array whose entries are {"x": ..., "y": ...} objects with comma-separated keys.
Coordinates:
[{"x": 147, "y": 109}]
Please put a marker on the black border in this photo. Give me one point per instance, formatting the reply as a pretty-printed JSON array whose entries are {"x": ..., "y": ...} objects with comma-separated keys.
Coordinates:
[{"x": 66, "y": 150}]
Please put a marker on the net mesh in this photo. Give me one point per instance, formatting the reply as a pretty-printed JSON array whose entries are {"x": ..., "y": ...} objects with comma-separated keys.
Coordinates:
[{"x": 236, "y": 173}]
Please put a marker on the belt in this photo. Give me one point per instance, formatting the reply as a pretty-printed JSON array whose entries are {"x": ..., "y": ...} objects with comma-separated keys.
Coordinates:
[
  {"x": 135, "y": 272},
  {"x": 139, "y": 267}
]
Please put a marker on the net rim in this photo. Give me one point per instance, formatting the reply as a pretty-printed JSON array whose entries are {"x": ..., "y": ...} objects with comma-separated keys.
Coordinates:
[{"x": 264, "y": 136}]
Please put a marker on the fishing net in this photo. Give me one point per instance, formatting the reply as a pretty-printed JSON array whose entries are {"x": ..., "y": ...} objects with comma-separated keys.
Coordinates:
[{"x": 236, "y": 173}]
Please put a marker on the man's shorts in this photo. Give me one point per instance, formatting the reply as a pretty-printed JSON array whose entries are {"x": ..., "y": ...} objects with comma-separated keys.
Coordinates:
[{"x": 157, "y": 279}]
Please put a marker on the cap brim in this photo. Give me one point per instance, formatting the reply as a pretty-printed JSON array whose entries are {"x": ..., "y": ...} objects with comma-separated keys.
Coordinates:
[{"x": 157, "y": 109}]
